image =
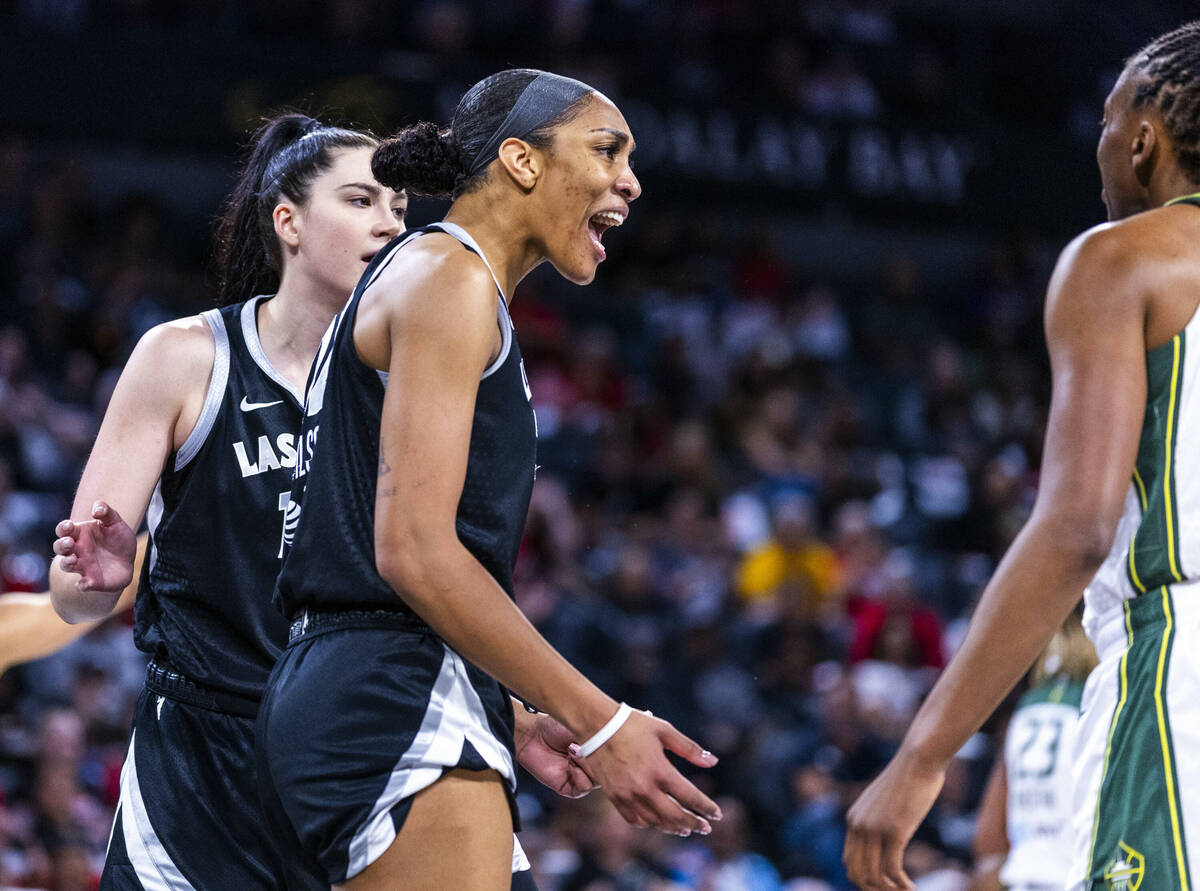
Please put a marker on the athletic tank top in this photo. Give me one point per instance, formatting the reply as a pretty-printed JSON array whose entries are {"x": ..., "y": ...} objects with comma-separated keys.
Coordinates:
[
  {"x": 329, "y": 529},
  {"x": 204, "y": 602},
  {"x": 1158, "y": 538},
  {"x": 1038, "y": 752}
]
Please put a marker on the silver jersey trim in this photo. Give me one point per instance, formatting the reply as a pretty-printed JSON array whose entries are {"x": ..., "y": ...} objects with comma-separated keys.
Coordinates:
[
  {"x": 216, "y": 391},
  {"x": 254, "y": 345}
]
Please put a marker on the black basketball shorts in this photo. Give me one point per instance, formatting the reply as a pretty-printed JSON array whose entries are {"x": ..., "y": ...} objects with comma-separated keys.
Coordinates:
[
  {"x": 190, "y": 815},
  {"x": 362, "y": 712}
]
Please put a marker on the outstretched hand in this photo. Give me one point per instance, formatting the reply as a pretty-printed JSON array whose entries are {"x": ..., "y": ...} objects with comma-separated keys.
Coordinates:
[
  {"x": 881, "y": 822},
  {"x": 644, "y": 786},
  {"x": 545, "y": 750},
  {"x": 100, "y": 550}
]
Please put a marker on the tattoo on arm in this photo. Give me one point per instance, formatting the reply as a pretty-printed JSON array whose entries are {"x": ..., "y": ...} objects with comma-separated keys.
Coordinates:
[
  {"x": 389, "y": 492},
  {"x": 384, "y": 467}
]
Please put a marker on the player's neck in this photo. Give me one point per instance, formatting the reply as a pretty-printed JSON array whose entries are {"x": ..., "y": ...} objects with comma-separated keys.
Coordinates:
[
  {"x": 291, "y": 325},
  {"x": 1172, "y": 185},
  {"x": 500, "y": 235}
]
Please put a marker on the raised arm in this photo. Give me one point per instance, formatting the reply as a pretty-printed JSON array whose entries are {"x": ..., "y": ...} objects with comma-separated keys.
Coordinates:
[
  {"x": 1095, "y": 314},
  {"x": 153, "y": 409},
  {"x": 436, "y": 321},
  {"x": 31, "y": 629}
]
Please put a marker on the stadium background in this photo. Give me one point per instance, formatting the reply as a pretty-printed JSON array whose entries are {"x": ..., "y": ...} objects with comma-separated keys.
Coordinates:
[{"x": 786, "y": 434}]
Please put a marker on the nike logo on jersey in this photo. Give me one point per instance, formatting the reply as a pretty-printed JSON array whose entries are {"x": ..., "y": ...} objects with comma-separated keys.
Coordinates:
[{"x": 247, "y": 405}]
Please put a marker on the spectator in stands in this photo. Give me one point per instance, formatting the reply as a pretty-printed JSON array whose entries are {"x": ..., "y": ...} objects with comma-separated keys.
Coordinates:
[{"x": 794, "y": 555}]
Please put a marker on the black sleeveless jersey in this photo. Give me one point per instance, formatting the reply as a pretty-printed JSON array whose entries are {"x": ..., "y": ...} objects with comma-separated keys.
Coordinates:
[
  {"x": 204, "y": 603},
  {"x": 330, "y": 528}
]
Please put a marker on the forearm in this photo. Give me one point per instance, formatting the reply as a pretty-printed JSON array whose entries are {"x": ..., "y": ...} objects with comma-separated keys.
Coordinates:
[
  {"x": 30, "y": 629},
  {"x": 1034, "y": 589},
  {"x": 74, "y": 606},
  {"x": 463, "y": 603}
]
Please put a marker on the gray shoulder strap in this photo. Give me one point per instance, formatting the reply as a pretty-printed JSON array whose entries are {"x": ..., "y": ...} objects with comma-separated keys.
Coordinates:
[{"x": 216, "y": 390}]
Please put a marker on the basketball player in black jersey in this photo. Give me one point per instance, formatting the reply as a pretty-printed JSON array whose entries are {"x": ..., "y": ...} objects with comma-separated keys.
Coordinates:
[
  {"x": 200, "y": 438},
  {"x": 305, "y": 204},
  {"x": 386, "y": 735}
]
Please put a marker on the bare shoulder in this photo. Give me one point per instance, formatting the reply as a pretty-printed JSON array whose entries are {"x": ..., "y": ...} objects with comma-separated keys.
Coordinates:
[
  {"x": 1101, "y": 250},
  {"x": 1143, "y": 270},
  {"x": 1147, "y": 244},
  {"x": 436, "y": 278},
  {"x": 183, "y": 339},
  {"x": 175, "y": 356},
  {"x": 1103, "y": 270}
]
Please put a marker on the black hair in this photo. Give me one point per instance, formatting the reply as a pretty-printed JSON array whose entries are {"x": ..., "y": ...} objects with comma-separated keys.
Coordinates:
[
  {"x": 1171, "y": 66},
  {"x": 426, "y": 160},
  {"x": 286, "y": 154}
]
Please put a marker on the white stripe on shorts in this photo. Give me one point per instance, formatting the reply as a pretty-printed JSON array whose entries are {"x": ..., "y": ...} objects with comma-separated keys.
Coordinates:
[
  {"x": 1183, "y": 692},
  {"x": 1099, "y": 704},
  {"x": 454, "y": 716},
  {"x": 520, "y": 861},
  {"x": 151, "y": 862}
]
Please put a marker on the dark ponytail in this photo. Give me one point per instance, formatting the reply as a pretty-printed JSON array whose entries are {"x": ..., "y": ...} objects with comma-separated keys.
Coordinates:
[
  {"x": 426, "y": 160},
  {"x": 286, "y": 155}
]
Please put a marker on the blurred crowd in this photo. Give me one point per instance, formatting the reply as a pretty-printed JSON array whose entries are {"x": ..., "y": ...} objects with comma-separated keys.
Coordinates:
[
  {"x": 766, "y": 503},
  {"x": 829, "y": 57},
  {"x": 764, "y": 509},
  {"x": 900, "y": 61}
]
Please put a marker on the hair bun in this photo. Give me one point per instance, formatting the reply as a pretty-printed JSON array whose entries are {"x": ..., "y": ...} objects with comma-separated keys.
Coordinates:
[{"x": 422, "y": 160}]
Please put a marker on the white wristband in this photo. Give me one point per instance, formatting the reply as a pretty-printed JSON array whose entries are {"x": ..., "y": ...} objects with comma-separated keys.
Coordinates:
[{"x": 605, "y": 733}]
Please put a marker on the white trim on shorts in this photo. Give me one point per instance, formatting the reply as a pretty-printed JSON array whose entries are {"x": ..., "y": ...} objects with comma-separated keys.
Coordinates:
[
  {"x": 520, "y": 861},
  {"x": 1099, "y": 704},
  {"x": 1182, "y": 696},
  {"x": 453, "y": 717},
  {"x": 153, "y": 865}
]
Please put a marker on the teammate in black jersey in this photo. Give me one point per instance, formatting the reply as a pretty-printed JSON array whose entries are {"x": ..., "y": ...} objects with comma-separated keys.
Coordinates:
[
  {"x": 306, "y": 203},
  {"x": 386, "y": 737},
  {"x": 200, "y": 438}
]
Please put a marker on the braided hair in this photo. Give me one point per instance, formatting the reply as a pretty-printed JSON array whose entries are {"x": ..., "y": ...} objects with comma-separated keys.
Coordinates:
[{"x": 1170, "y": 65}]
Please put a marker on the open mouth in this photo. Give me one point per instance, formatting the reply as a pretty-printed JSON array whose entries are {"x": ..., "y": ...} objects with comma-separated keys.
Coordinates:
[
  {"x": 599, "y": 224},
  {"x": 367, "y": 258}
]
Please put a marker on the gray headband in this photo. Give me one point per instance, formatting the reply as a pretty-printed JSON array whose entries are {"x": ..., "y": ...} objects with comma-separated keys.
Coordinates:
[{"x": 543, "y": 99}]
